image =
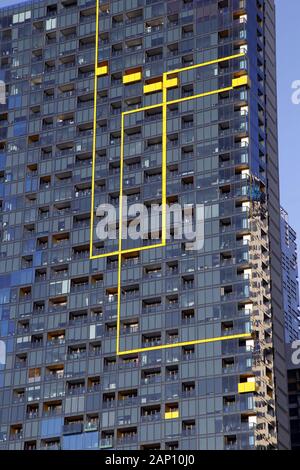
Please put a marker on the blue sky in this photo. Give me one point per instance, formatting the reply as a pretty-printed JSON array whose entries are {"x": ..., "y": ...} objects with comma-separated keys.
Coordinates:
[
  {"x": 288, "y": 63},
  {"x": 4, "y": 3}
]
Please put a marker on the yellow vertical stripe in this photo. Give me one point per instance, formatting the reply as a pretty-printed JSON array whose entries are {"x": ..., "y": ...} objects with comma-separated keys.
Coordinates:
[
  {"x": 164, "y": 161},
  {"x": 94, "y": 130}
]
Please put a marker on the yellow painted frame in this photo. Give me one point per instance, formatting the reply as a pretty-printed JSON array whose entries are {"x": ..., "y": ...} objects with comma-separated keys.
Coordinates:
[
  {"x": 172, "y": 414},
  {"x": 132, "y": 78},
  {"x": 101, "y": 71},
  {"x": 166, "y": 82},
  {"x": 247, "y": 387}
]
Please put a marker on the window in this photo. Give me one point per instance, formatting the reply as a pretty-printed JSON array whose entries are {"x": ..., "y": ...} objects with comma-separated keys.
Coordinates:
[
  {"x": 2, "y": 353},
  {"x": 51, "y": 427},
  {"x": 14, "y": 101},
  {"x": 34, "y": 375},
  {"x": 21, "y": 17},
  {"x": 20, "y": 128},
  {"x": 51, "y": 23}
]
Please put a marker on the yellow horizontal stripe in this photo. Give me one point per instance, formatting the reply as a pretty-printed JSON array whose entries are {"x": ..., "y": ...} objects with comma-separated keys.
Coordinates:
[
  {"x": 187, "y": 343},
  {"x": 132, "y": 78},
  {"x": 247, "y": 387},
  {"x": 203, "y": 64},
  {"x": 152, "y": 87},
  {"x": 102, "y": 70},
  {"x": 240, "y": 81}
]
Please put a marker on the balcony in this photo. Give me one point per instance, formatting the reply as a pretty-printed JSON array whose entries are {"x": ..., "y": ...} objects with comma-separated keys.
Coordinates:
[
  {"x": 108, "y": 404},
  {"x": 127, "y": 439},
  {"x": 76, "y": 391},
  {"x": 172, "y": 414},
  {"x": 151, "y": 379},
  {"x": 16, "y": 436},
  {"x": 106, "y": 443},
  {"x": 187, "y": 432},
  {"x": 247, "y": 387},
  {"x": 128, "y": 401},
  {"x": 51, "y": 446},
  {"x": 91, "y": 426},
  {"x": 76, "y": 355},
  {"x": 72, "y": 428},
  {"x": 151, "y": 417}
]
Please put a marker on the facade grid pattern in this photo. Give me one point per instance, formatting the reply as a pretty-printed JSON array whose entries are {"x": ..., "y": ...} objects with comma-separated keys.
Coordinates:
[{"x": 113, "y": 344}]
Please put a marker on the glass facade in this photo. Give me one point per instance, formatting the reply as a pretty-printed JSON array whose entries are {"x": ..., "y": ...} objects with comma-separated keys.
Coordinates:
[
  {"x": 143, "y": 347},
  {"x": 290, "y": 279}
]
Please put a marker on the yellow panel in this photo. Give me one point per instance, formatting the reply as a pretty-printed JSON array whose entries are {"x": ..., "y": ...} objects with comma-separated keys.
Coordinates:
[
  {"x": 171, "y": 414},
  {"x": 102, "y": 70},
  {"x": 247, "y": 387},
  {"x": 241, "y": 81},
  {"x": 132, "y": 78},
  {"x": 152, "y": 87},
  {"x": 172, "y": 82}
]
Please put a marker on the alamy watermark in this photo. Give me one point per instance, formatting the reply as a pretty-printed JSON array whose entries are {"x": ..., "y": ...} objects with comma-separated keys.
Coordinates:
[
  {"x": 296, "y": 353},
  {"x": 296, "y": 93},
  {"x": 141, "y": 222}
]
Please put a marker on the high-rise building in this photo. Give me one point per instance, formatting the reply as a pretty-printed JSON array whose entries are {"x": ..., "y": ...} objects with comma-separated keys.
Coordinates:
[
  {"x": 290, "y": 279},
  {"x": 137, "y": 343}
]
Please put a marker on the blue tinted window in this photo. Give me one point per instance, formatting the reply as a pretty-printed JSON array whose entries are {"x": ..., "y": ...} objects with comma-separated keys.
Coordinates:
[
  {"x": 51, "y": 427},
  {"x": 4, "y": 281},
  {"x": 88, "y": 440},
  {"x": 7, "y": 328},
  {"x": 14, "y": 101},
  {"x": 31, "y": 184},
  {"x": 2, "y": 161},
  {"x": 4, "y": 328},
  {"x": 10, "y": 343},
  {"x": 4, "y": 296},
  {"x": 4, "y": 313},
  {"x": 29, "y": 246},
  {"x": 37, "y": 257},
  {"x": 22, "y": 277},
  {"x": 20, "y": 128}
]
